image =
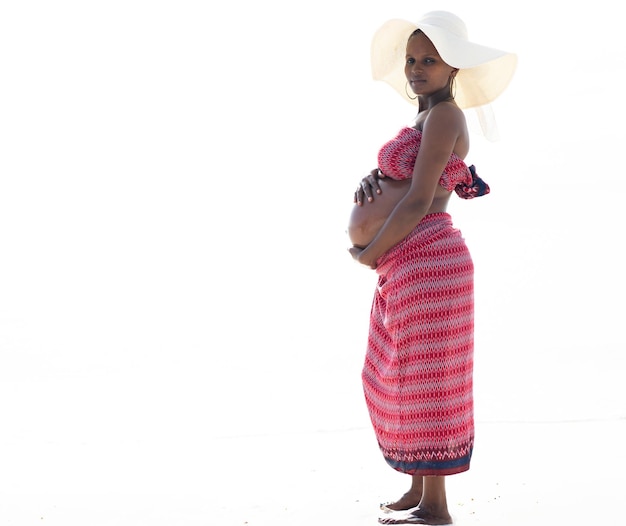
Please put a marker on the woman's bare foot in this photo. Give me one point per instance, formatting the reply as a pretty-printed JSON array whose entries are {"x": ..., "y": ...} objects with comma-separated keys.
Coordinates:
[
  {"x": 421, "y": 516},
  {"x": 432, "y": 510},
  {"x": 409, "y": 500}
]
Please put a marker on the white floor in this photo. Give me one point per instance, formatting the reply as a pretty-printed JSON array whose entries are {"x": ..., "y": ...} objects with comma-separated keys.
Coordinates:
[
  {"x": 549, "y": 473},
  {"x": 267, "y": 445}
]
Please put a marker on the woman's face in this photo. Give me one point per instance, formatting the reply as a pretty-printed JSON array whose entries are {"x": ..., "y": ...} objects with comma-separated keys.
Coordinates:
[{"x": 425, "y": 70}]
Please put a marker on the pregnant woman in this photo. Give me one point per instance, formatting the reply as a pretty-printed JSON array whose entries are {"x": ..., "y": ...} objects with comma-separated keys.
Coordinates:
[{"x": 418, "y": 369}]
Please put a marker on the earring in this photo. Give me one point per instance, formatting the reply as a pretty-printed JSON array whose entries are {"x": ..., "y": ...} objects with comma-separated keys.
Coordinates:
[
  {"x": 452, "y": 87},
  {"x": 406, "y": 90}
]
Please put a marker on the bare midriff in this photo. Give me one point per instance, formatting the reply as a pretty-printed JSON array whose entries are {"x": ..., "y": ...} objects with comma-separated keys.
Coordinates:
[{"x": 367, "y": 219}]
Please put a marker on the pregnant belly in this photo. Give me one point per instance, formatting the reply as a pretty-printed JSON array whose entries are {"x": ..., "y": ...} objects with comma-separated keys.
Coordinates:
[{"x": 367, "y": 219}]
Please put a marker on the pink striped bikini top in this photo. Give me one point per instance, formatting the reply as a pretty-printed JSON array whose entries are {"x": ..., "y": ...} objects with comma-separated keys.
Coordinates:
[{"x": 396, "y": 160}]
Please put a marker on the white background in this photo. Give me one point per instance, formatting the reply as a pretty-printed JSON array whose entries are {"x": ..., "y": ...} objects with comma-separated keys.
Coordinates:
[{"x": 175, "y": 182}]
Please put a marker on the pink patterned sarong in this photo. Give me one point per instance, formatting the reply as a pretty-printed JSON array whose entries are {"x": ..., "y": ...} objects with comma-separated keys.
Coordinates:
[{"x": 418, "y": 369}]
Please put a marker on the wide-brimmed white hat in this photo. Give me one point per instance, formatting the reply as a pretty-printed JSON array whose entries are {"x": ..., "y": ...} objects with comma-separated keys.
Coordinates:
[{"x": 484, "y": 72}]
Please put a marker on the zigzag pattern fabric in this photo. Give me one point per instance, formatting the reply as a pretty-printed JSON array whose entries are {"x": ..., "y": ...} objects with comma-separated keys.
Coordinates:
[
  {"x": 418, "y": 370},
  {"x": 396, "y": 160}
]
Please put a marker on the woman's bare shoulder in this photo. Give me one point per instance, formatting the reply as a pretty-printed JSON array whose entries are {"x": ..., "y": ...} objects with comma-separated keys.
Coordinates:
[
  {"x": 447, "y": 112},
  {"x": 446, "y": 122}
]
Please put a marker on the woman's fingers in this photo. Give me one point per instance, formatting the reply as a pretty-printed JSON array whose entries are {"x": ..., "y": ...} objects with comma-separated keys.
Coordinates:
[
  {"x": 358, "y": 195},
  {"x": 373, "y": 182},
  {"x": 362, "y": 192},
  {"x": 367, "y": 187}
]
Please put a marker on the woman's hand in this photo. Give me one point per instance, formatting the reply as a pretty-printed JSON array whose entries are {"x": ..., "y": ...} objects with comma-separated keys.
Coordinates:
[
  {"x": 368, "y": 186},
  {"x": 360, "y": 256}
]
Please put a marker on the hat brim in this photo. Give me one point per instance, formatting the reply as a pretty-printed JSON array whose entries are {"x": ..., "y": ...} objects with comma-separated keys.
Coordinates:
[{"x": 484, "y": 72}]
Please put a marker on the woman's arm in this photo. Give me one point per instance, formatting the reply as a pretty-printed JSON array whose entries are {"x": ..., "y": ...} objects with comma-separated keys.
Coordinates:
[{"x": 440, "y": 132}]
